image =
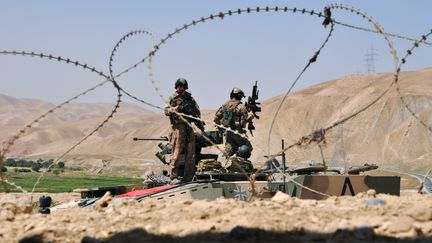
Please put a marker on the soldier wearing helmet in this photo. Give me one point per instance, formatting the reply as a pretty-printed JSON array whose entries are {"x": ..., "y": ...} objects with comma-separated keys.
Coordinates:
[
  {"x": 182, "y": 137},
  {"x": 239, "y": 163},
  {"x": 233, "y": 114}
]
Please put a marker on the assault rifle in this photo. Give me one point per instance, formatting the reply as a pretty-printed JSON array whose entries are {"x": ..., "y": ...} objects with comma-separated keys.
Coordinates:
[{"x": 253, "y": 106}]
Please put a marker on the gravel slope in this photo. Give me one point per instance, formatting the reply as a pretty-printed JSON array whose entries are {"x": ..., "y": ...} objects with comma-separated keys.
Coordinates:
[{"x": 365, "y": 217}]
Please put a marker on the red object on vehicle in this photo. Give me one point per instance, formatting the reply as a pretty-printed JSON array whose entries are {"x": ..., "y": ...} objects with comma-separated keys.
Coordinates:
[{"x": 145, "y": 192}]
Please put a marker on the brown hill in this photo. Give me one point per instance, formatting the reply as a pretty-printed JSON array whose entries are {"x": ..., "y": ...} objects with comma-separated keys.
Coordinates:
[
  {"x": 65, "y": 127},
  {"x": 385, "y": 134},
  {"x": 18, "y": 112}
]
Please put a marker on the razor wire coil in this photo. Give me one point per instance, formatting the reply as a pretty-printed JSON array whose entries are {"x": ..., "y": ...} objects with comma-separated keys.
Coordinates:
[{"x": 305, "y": 140}]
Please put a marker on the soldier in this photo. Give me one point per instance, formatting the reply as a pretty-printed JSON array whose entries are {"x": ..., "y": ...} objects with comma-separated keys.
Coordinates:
[
  {"x": 233, "y": 114},
  {"x": 240, "y": 162},
  {"x": 182, "y": 137}
]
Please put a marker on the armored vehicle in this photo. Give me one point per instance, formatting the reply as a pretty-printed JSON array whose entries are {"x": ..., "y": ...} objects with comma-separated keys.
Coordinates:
[{"x": 212, "y": 180}]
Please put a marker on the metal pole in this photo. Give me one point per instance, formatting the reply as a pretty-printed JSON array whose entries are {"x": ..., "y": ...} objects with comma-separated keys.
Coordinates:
[{"x": 283, "y": 164}]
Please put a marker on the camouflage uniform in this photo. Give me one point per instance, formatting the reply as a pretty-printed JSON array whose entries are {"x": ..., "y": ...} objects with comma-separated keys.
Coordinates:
[
  {"x": 237, "y": 122},
  {"x": 182, "y": 137},
  {"x": 237, "y": 164}
]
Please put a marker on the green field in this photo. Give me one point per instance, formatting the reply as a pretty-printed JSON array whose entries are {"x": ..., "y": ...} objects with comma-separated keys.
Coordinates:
[{"x": 58, "y": 183}]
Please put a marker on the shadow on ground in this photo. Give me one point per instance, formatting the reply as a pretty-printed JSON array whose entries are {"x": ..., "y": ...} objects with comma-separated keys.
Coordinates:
[{"x": 240, "y": 234}]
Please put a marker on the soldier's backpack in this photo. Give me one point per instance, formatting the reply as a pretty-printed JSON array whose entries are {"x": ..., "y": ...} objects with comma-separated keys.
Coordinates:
[{"x": 228, "y": 113}]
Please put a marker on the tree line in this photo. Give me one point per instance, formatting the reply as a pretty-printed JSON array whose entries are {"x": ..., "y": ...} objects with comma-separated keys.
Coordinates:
[{"x": 34, "y": 165}]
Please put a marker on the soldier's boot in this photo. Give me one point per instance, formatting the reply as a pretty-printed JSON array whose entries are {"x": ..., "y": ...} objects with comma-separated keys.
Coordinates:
[
  {"x": 175, "y": 176},
  {"x": 174, "y": 173},
  {"x": 181, "y": 170},
  {"x": 189, "y": 172}
]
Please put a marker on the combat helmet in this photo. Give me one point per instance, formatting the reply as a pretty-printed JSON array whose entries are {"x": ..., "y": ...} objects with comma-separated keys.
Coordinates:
[
  {"x": 181, "y": 82},
  {"x": 237, "y": 93},
  {"x": 244, "y": 151}
]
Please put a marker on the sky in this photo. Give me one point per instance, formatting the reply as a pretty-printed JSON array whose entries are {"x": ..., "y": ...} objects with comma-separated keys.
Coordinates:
[{"x": 271, "y": 48}]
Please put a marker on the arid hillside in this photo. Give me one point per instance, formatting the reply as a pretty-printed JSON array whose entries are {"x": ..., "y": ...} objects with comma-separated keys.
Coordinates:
[{"x": 385, "y": 134}]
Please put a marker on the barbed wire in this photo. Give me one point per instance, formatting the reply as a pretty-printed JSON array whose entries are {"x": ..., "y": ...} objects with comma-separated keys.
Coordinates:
[
  {"x": 319, "y": 135},
  {"x": 311, "y": 138},
  {"x": 377, "y": 32},
  {"x": 44, "y": 115},
  {"x": 119, "y": 90},
  {"x": 113, "y": 53},
  {"x": 67, "y": 61},
  {"x": 221, "y": 15},
  {"x": 315, "y": 136},
  {"x": 403, "y": 61},
  {"x": 413, "y": 114},
  {"x": 34, "y": 122},
  {"x": 85, "y": 66},
  {"x": 311, "y": 60},
  {"x": 117, "y": 105}
]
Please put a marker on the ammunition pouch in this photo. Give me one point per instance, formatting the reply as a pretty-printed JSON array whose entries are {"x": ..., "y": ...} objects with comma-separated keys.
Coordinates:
[{"x": 209, "y": 165}]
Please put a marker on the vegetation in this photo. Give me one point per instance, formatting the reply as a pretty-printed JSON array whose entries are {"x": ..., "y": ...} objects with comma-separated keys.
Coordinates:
[
  {"x": 61, "y": 164},
  {"x": 29, "y": 163},
  {"x": 54, "y": 183},
  {"x": 35, "y": 165},
  {"x": 21, "y": 170},
  {"x": 3, "y": 169},
  {"x": 73, "y": 168}
]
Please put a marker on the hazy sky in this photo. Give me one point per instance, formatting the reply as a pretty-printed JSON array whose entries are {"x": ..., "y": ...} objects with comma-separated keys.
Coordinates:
[{"x": 214, "y": 57}]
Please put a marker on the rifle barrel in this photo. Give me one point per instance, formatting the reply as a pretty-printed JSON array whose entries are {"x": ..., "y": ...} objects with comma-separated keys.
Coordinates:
[{"x": 151, "y": 139}]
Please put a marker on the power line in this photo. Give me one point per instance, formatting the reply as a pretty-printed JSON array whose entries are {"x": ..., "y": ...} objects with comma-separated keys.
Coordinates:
[{"x": 370, "y": 59}]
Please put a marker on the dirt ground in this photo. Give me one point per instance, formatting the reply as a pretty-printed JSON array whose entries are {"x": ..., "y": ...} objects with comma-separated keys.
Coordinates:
[{"x": 365, "y": 217}]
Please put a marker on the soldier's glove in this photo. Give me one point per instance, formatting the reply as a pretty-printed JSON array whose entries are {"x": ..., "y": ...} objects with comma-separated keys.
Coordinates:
[
  {"x": 200, "y": 125},
  {"x": 171, "y": 110},
  {"x": 221, "y": 130}
]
